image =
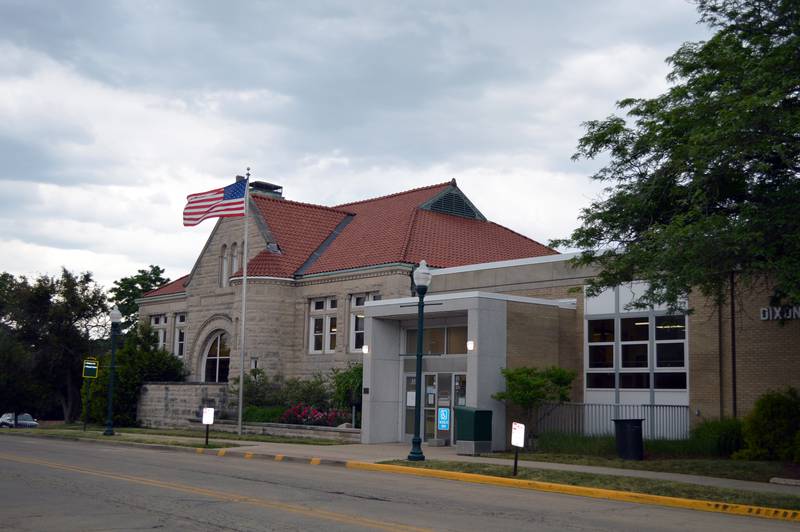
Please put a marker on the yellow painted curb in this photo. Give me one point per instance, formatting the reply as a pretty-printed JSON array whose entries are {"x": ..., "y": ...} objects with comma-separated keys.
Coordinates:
[
  {"x": 278, "y": 457},
  {"x": 199, "y": 450},
  {"x": 248, "y": 456},
  {"x": 314, "y": 461},
  {"x": 221, "y": 452},
  {"x": 597, "y": 493}
]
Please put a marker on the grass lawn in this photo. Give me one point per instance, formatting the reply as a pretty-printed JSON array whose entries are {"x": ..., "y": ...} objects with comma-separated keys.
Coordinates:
[
  {"x": 97, "y": 434},
  {"x": 640, "y": 485},
  {"x": 199, "y": 434},
  {"x": 719, "y": 467}
]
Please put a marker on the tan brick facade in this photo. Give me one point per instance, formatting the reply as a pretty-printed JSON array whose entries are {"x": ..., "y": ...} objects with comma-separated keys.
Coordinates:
[{"x": 767, "y": 354}]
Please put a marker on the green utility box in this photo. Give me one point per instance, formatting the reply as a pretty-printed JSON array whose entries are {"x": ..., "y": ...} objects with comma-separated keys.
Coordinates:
[{"x": 473, "y": 430}]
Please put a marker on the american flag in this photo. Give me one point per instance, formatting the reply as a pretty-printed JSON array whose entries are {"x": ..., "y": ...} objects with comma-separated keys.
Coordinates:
[{"x": 218, "y": 203}]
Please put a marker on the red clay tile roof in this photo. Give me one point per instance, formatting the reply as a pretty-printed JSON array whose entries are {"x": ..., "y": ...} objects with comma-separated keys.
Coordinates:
[
  {"x": 174, "y": 287},
  {"x": 444, "y": 241},
  {"x": 298, "y": 228},
  {"x": 394, "y": 229},
  {"x": 384, "y": 230},
  {"x": 379, "y": 232}
]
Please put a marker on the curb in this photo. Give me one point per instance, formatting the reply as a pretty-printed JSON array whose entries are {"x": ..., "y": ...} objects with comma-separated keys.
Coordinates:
[
  {"x": 785, "y": 481},
  {"x": 597, "y": 493}
]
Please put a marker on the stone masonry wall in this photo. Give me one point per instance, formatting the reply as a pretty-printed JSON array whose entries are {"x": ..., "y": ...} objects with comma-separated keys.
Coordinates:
[{"x": 174, "y": 404}]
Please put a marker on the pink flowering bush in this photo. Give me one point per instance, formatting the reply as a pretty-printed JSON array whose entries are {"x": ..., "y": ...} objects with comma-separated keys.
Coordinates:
[{"x": 302, "y": 414}]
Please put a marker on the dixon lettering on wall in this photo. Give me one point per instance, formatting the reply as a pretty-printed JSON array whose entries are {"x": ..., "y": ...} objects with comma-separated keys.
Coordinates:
[{"x": 781, "y": 313}]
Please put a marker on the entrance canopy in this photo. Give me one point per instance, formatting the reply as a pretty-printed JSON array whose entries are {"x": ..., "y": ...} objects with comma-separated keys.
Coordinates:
[{"x": 469, "y": 337}]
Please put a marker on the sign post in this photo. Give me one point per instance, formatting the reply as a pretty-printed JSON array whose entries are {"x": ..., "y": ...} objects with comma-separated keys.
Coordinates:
[
  {"x": 90, "y": 368},
  {"x": 208, "y": 420},
  {"x": 517, "y": 441}
]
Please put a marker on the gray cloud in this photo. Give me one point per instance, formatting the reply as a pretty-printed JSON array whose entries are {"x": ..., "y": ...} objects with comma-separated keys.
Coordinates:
[{"x": 336, "y": 100}]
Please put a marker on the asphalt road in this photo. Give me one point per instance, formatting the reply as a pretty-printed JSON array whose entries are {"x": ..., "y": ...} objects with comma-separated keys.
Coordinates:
[{"x": 60, "y": 485}]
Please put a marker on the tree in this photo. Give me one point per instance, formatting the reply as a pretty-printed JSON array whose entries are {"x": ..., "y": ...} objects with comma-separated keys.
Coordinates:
[
  {"x": 703, "y": 179},
  {"x": 17, "y": 385},
  {"x": 128, "y": 289},
  {"x": 138, "y": 361},
  {"x": 529, "y": 388},
  {"x": 55, "y": 319}
]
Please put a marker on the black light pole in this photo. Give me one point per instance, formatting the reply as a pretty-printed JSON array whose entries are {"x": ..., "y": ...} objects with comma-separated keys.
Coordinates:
[
  {"x": 422, "y": 279},
  {"x": 116, "y": 318}
]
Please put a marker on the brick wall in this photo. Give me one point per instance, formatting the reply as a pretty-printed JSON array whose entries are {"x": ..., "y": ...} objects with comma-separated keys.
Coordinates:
[{"x": 767, "y": 353}]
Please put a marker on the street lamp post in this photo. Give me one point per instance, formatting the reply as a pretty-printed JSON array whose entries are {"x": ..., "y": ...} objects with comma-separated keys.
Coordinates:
[
  {"x": 116, "y": 318},
  {"x": 422, "y": 279}
]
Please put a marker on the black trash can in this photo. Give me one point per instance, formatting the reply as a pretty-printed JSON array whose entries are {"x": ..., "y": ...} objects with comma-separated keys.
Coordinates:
[{"x": 629, "y": 438}]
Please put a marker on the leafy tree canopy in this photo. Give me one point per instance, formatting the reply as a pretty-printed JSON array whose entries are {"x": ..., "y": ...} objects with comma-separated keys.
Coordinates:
[
  {"x": 138, "y": 361},
  {"x": 128, "y": 289},
  {"x": 50, "y": 323},
  {"x": 703, "y": 179}
]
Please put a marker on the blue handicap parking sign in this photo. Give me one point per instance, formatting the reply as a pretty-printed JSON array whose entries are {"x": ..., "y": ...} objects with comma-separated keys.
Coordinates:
[{"x": 444, "y": 419}]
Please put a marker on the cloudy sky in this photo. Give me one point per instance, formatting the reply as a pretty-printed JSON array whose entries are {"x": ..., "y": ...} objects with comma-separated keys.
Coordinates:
[{"x": 111, "y": 112}]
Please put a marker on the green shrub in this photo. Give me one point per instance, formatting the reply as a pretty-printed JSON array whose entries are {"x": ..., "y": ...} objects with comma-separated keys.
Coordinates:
[
  {"x": 717, "y": 438},
  {"x": 346, "y": 385},
  {"x": 709, "y": 440},
  {"x": 312, "y": 392},
  {"x": 770, "y": 430},
  {"x": 263, "y": 414},
  {"x": 260, "y": 389}
]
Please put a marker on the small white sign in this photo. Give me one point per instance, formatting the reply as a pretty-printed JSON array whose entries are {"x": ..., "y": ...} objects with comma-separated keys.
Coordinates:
[
  {"x": 411, "y": 399},
  {"x": 208, "y": 416},
  {"x": 517, "y": 434}
]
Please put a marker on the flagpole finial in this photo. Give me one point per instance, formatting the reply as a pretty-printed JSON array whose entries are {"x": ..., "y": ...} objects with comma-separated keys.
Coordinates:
[{"x": 248, "y": 172}]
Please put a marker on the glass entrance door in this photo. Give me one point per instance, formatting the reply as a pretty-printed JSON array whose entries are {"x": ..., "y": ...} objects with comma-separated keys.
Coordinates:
[{"x": 439, "y": 391}]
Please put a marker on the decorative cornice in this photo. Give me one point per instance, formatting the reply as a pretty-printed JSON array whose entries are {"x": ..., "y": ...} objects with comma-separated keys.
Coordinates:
[{"x": 162, "y": 298}]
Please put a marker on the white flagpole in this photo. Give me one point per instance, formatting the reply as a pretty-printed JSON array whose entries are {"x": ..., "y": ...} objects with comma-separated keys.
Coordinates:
[{"x": 244, "y": 299}]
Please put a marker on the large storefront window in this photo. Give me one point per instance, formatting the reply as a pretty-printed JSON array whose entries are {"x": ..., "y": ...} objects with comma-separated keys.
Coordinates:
[{"x": 636, "y": 352}]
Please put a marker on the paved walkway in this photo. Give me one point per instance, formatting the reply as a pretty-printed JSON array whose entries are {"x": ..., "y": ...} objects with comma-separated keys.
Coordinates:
[{"x": 399, "y": 451}]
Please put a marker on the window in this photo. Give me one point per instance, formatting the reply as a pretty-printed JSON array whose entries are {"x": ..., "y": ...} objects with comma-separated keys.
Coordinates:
[
  {"x": 636, "y": 346},
  {"x": 180, "y": 335},
  {"x": 601, "y": 343},
  {"x": 159, "y": 324},
  {"x": 323, "y": 326},
  {"x": 671, "y": 343},
  {"x": 600, "y": 380},
  {"x": 634, "y": 381},
  {"x": 357, "y": 320},
  {"x": 234, "y": 259},
  {"x": 438, "y": 341},
  {"x": 223, "y": 266},
  {"x": 218, "y": 358},
  {"x": 634, "y": 339}
]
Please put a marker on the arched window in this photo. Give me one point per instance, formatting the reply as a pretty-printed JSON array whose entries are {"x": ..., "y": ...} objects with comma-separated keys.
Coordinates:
[
  {"x": 218, "y": 358},
  {"x": 234, "y": 259},
  {"x": 223, "y": 266}
]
